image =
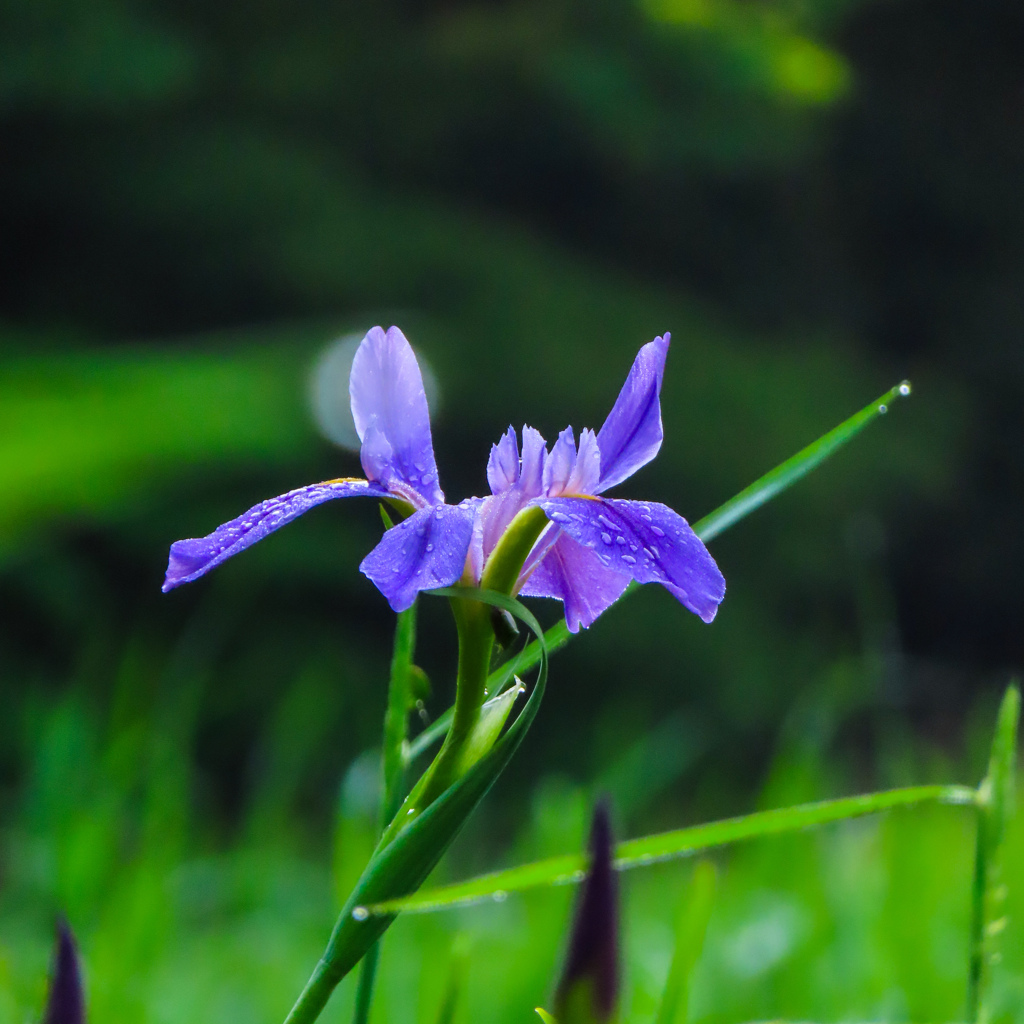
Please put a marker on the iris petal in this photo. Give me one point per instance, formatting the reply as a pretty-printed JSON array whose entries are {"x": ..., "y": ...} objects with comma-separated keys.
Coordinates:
[
  {"x": 647, "y": 541},
  {"x": 389, "y": 407},
  {"x": 503, "y": 463},
  {"x": 574, "y": 575},
  {"x": 190, "y": 559},
  {"x": 632, "y": 433},
  {"x": 426, "y": 551}
]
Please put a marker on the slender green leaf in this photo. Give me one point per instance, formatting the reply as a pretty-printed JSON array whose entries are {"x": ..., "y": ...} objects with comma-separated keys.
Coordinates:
[
  {"x": 988, "y": 895},
  {"x": 690, "y": 930},
  {"x": 400, "y": 866},
  {"x": 748, "y": 500},
  {"x": 796, "y": 467},
  {"x": 545, "y": 1016},
  {"x": 679, "y": 843}
]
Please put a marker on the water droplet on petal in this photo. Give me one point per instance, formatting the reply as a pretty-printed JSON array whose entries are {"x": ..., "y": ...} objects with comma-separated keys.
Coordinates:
[
  {"x": 657, "y": 531},
  {"x": 620, "y": 539},
  {"x": 558, "y": 517},
  {"x": 606, "y": 537},
  {"x": 630, "y": 559},
  {"x": 430, "y": 547},
  {"x": 360, "y": 913}
]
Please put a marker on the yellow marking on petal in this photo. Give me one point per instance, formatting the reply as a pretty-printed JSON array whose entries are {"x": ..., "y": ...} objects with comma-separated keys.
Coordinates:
[{"x": 347, "y": 480}]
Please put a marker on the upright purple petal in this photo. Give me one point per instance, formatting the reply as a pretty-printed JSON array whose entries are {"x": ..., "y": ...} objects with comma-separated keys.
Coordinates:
[
  {"x": 389, "y": 407},
  {"x": 426, "y": 551},
  {"x": 531, "y": 475},
  {"x": 560, "y": 463},
  {"x": 503, "y": 463},
  {"x": 632, "y": 433},
  {"x": 574, "y": 575},
  {"x": 586, "y": 476},
  {"x": 190, "y": 559},
  {"x": 647, "y": 541}
]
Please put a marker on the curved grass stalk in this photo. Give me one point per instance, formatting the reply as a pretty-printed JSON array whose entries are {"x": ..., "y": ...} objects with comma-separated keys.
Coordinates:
[{"x": 679, "y": 843}]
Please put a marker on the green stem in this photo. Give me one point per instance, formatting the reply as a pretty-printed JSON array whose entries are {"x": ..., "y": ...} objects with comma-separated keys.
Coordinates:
[
  {"x": 393, "y": 765},
  {"x": 476, "y": 643},
  {"x": 367, "y": 977}
]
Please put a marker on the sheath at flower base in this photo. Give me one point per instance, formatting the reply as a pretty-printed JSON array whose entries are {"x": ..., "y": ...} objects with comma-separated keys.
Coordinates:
[
  {"x": 592, "y": 547},
  {"x": 389, "y": 406}
]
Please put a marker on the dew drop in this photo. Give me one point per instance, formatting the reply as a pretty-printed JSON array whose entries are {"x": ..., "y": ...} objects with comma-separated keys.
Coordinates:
[
  {"x": 559, "y": 517},
  {"x": 500, "y": 896},
  {"x": 360, "y": 913},
  {"x": 578, "y": 876},
  {"x": 606, "y": 537},
  {"x": 430, "y": 547},
  {"x": 657, "y": 531},
  {"x": 905, "y": 388},
  {"x": 630, "y": 559},
  {"x": 620, "y": 539},
  {"x": 883, "y": 409},
  {"x": 646, "y": 518}
]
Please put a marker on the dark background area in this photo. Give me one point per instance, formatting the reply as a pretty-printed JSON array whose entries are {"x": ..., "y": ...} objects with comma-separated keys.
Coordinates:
[{"x": 817, "y": 200}]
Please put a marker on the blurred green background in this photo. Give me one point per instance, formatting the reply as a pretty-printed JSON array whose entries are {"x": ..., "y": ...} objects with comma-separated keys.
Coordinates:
[{"x": 816, "y": 197}]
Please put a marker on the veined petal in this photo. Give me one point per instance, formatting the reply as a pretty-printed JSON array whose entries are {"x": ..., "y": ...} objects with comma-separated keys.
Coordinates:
[
  {"x": 426, "y": 551},
  {"x": 647, "y": 541},
  {"x": 503, "y": 463},
  {"x": 531, "y": 475},
  {"x": 190, "y": 559},
  {"x": 586, "y": 475},
  {"x": 579, "y": 579},
  {"x": 632, "y": 433},
  {"x": 560, "y": 463},
  {"x": 389, "y": 407}
]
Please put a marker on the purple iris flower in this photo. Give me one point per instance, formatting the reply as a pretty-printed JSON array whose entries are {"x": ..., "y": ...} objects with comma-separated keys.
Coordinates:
[{"x": 592, "y": 547}]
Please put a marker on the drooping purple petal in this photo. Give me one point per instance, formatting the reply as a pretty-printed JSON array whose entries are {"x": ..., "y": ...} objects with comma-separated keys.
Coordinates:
[
  {"x": 632, "y": 433},
  {"x": 426, "y": 551},
  {"x": 190, "y": 559},
  {"x": 389, "y": 407},
  {"x": 503, "y": 463},
  {"x": 574, "y": 575},
  {"x": 647, "y": 541}
]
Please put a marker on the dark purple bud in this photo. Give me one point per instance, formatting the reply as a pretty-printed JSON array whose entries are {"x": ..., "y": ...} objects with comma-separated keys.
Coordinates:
[
  {"x": 592, "y": 968},
  {"x": 66, "y": 1004}
]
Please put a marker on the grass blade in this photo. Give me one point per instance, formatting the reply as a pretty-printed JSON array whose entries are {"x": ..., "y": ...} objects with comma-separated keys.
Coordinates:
[
  {"x": 690, "y": 931},
  {"x": 794, "y": 468},
  {"x": 679, "y": 843},
  {"x": 995, "y": 802}
]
